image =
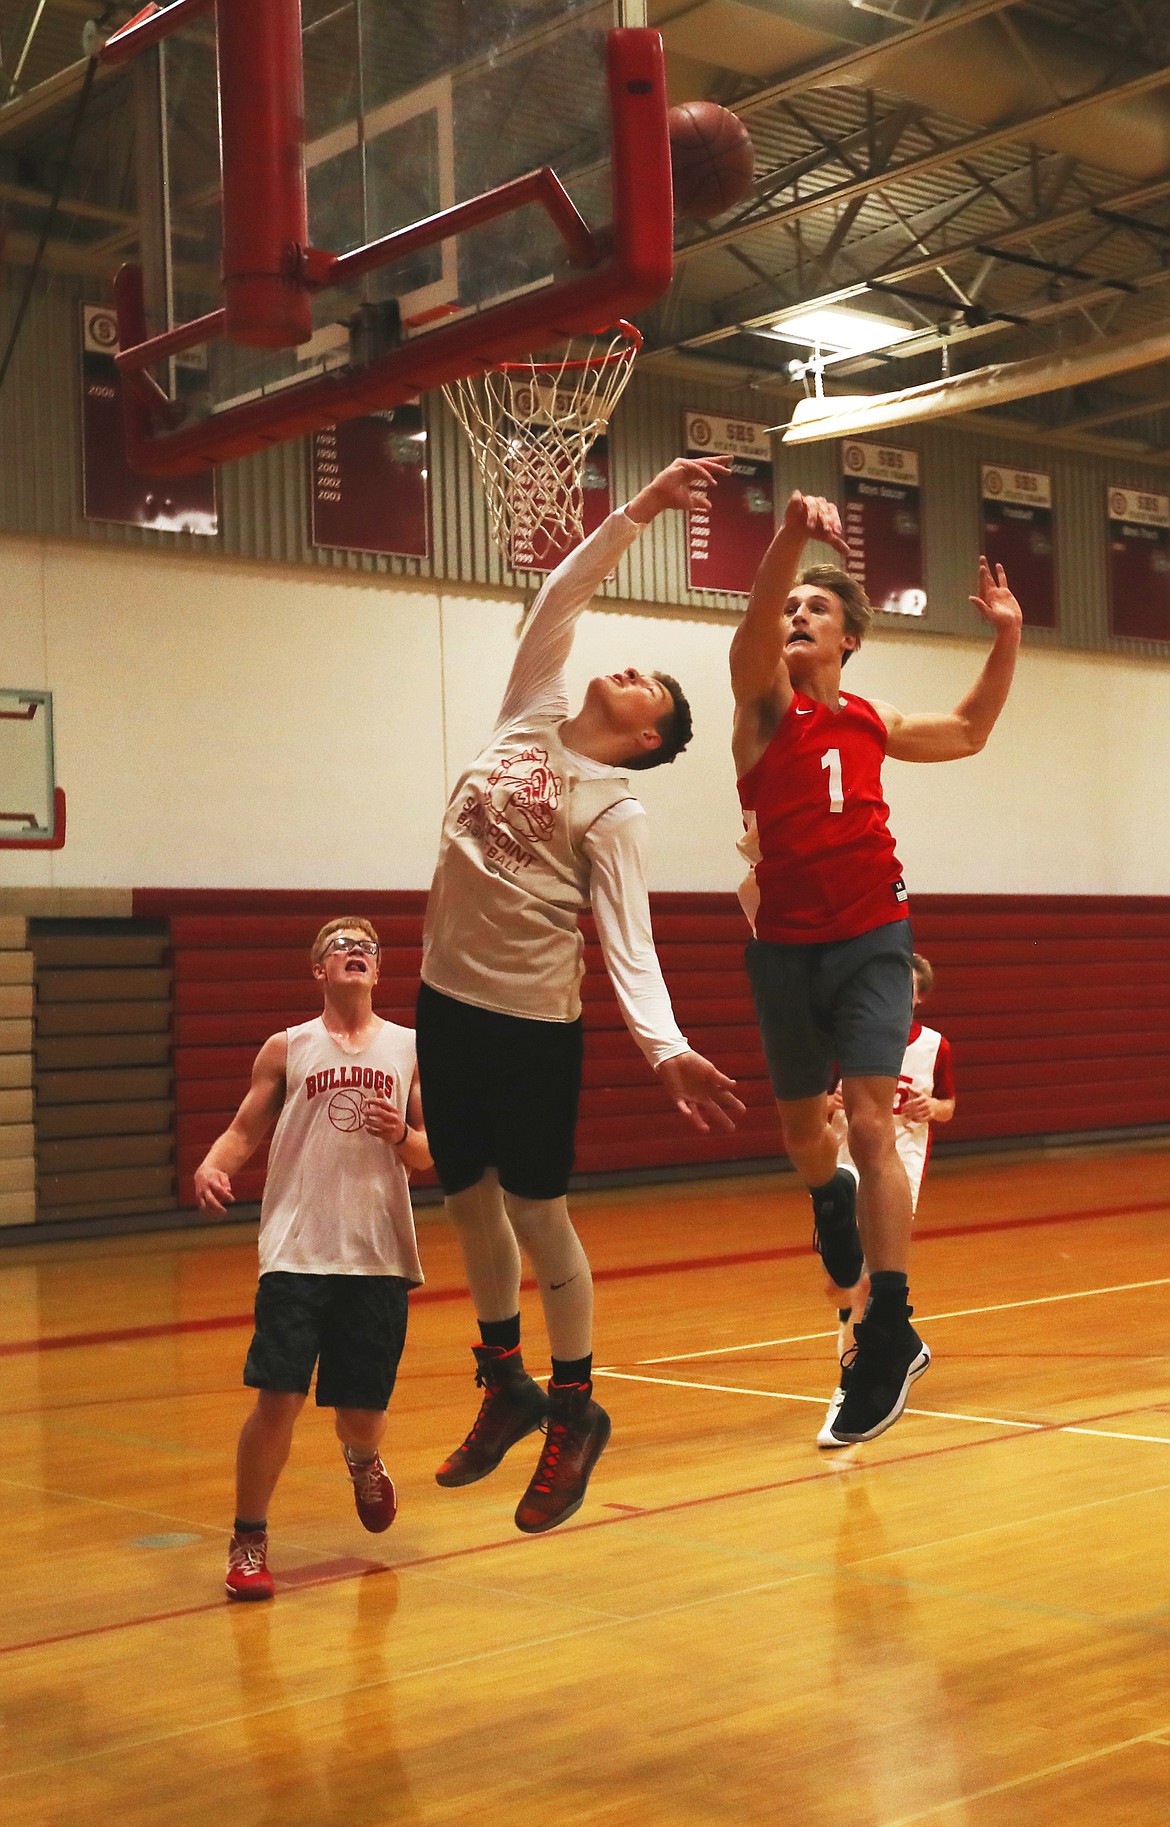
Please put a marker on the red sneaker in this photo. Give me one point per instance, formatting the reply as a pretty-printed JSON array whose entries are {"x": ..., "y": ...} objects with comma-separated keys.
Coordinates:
[
  {"x": 373, "y": 1492},
  {"x": 247, "y": 1569},
  {"x": 513, "y": 1405},
  {"x": 575, "y": 1433}
]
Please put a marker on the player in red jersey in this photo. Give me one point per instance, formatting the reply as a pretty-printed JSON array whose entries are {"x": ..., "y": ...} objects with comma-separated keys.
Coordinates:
[{"x": 831, "y": 963}]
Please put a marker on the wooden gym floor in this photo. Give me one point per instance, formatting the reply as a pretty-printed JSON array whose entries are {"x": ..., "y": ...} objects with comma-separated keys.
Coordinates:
[{"x": 965, "y": 1623}]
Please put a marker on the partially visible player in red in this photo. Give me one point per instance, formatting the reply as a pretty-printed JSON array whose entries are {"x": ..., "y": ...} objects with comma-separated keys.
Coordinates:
[
  {"x": 831, "y": 964},
  {"x": 925, "y": 1096}
]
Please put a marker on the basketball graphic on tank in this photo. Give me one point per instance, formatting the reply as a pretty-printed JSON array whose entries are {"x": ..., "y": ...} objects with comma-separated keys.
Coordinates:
[
  {"x": 347, "y": 1111},
  {"x": 525, "y": 793}
]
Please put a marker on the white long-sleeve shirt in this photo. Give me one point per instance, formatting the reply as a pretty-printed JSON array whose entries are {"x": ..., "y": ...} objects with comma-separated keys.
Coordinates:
[{"x": 493, "y": 824}]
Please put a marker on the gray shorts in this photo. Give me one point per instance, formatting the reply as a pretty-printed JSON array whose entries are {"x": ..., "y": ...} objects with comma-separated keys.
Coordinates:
[{"x": 845, "y": 1006}]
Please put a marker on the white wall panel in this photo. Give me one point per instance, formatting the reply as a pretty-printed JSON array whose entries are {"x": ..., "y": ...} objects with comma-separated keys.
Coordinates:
[
  {"x": 227, "y": 726},
  {"x": 238, "y": 728}
]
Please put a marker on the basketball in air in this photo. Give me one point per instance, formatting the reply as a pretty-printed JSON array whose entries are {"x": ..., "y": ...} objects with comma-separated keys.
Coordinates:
[{"x": 712, "y": 161}]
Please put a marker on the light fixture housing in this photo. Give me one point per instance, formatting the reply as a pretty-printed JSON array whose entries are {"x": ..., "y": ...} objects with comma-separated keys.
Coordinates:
[{"x": 836, "y": 330}]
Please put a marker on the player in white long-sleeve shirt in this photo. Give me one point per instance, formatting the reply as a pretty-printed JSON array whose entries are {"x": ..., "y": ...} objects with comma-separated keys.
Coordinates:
[{"x": 542, "y": 827}]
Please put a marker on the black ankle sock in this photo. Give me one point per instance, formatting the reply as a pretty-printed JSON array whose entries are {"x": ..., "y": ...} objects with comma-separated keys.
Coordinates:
[
  {"x": 843, "y": 1315},
  {"x": 240, "y": 1527},
  {"x": 833, "y": 1202},
  {"x": 889, "y": 1293},
  {"x": 572, "y": 1370},
  {"x": 504, "y": 1334}
]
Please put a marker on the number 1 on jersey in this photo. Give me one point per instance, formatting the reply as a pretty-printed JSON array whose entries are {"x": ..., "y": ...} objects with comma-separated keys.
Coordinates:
[{"x": 831, "y": 760}]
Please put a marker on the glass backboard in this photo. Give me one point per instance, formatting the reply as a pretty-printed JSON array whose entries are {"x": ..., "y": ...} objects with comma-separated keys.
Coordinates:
[{"x": 32, "y": 806}]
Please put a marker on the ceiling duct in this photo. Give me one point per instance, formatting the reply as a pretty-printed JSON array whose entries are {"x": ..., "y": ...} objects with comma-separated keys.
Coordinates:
[{"x": 818, "y": 419}]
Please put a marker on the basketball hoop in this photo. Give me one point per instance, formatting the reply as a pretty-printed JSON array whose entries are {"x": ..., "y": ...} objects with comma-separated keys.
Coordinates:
[{"x": 531, "y": 424}]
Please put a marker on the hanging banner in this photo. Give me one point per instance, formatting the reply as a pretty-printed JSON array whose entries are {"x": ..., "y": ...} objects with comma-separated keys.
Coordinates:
[
  {"x": 1018, "y": 534},
  {"x": 369, "y": 485},
  {"x": 551, "y": 544},
  {"x": 883, "y": 525},
  {"x": 727, "y": 539},
  {"x": 1139, "y": 564},
  {"x": 110, "y": 489}
]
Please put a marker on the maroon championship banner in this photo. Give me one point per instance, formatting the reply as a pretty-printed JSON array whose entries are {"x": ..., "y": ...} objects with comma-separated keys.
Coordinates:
[
  {"x": 596, "y": 504},
  {"x": 110, "y": 489},
  {"x": 369, "y": 487},
  {"x": 727, "y": 539},
  {"x": 1018, "y": 534},
  {"x": 883, "y": 525},
  {"x": 1139, "y": 564}
]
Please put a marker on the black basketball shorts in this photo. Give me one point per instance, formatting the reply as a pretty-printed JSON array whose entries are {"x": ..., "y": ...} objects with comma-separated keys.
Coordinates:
[
  {"x": 498, "y": 1091},
  {"x": 354, "y": 1324},
  {"x": 844, "y": 1005}
]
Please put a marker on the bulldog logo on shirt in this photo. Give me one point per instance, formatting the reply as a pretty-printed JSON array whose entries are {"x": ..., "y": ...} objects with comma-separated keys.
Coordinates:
[{"x": 525, "y": 793}]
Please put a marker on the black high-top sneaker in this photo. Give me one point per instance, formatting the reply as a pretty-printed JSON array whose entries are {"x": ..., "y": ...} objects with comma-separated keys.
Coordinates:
[
  {"x": 835, "y": 1234},
  {"x": 575, "y": 1433},
  {"x": 887, "y": 1357},
  {"x": 513, "y": 1405}
]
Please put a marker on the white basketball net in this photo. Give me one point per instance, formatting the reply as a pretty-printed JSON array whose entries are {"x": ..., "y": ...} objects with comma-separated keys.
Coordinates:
[{"x": 531, "y": 425}]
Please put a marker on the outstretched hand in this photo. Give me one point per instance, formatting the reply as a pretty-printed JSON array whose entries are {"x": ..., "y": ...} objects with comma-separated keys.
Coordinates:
[
  {"x": 704, "y": 1095},
  {"x": 816, "y": 518},
  {"x": 995, "y": 602},
  {"x": 682, "y": 484}
]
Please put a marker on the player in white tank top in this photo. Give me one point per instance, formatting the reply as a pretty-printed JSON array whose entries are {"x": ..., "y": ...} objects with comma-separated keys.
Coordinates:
[
  {"x": 925, "y": 1096},
  {"x": 337, "y": 1241},
  {"x": 542, "y": 827}
]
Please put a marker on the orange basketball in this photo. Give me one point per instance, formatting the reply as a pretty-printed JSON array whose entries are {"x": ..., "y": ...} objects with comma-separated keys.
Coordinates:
[{"x": 712, "y": 160}]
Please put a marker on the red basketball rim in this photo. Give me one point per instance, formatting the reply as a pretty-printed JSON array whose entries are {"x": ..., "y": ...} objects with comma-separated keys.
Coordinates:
[{"x": 610, "y": 358}]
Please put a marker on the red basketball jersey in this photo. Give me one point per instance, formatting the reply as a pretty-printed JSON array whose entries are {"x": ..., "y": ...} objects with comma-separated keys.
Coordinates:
[{"x": 827, "y": 868}]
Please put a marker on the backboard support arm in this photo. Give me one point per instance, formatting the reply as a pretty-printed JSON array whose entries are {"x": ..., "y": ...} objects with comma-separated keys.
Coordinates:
[{"x": 267, "y": 294}]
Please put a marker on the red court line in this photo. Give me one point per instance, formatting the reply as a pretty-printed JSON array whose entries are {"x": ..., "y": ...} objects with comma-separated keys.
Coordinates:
[
  {"x": 289, "y": 1581},
  {"x": 635, "y": 1271},
  {"x": 532, "y": 1543}
]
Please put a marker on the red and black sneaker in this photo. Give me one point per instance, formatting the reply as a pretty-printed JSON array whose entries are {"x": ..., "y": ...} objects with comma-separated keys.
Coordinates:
[
  {"x": 247, "y": 1569},
  {"x": 373, "y": 1492},
  {"x": 575, "y": 1433},
  {"x": 513, "y": 1405}
]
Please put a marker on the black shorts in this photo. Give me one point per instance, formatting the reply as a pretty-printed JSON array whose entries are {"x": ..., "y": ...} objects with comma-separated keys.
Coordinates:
[
  {"x": 498, "y": 1091},
  {"x": 355, "y": 1324},
  {"x": 846, "y": 1006}
]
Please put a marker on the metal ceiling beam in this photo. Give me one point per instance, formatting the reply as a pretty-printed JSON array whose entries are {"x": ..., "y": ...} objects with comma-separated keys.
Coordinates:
[
  {"x": 824, "y": 69},
  {"x": 69, "y": 206},
  {"x": 759, "y": 313},
  {"x": 986, "y": 140},
  {"x": 1133, "y": 409},
  {"x": 19, "y": 114}
]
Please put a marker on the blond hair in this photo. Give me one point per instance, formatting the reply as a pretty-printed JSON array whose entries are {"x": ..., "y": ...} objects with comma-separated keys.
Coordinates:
[
  {"x": 356, "y": 924},
  {"x": 924, "y": 971},
  {"x": 851, "y": 594}
]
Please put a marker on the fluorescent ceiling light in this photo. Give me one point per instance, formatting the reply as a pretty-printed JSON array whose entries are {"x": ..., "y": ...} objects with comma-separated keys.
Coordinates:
[
  {"x": 833, "y": 328},
  {"x": 824, "y": 406}
]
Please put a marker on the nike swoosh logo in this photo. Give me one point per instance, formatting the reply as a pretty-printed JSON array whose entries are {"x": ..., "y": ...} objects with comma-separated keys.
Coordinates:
[{"x": 801, "y": 713}]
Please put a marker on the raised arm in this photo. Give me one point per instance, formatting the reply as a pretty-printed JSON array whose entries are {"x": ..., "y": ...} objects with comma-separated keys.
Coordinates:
[
  {"x": 247, "y": 1129},
  {"x": 759, "y": 677},
  {"x": 537, "y": 682},
  {"x": 948, "y": 736},
  {"x": 621, "y": 907}
]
